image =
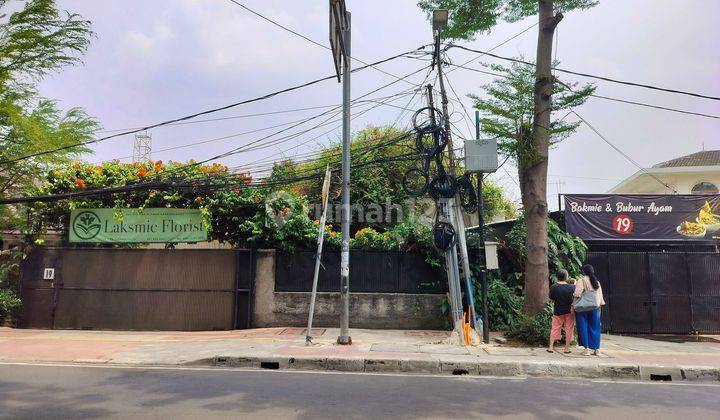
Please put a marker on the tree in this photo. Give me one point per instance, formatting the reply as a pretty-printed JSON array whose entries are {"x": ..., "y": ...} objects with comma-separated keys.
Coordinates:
[
  {"x": 507, "y": 109},
  {"x": 469, "y": 17},
  {"x": 35, "y": 41}
]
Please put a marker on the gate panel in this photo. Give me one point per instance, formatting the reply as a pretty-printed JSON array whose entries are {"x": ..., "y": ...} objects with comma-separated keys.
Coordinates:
[
  {"x": 630, "y": 292},
  {"x": 139, "y": 289},
  {"x": 706, "y": 314},
  {"x": 145, "y": 310},
  {"x": 670, "y": 301},
  {"x": 705, "y": 283}
]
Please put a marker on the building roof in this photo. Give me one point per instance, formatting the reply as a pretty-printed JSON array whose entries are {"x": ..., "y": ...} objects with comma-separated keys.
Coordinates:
[{"x": 704, "y": 158}]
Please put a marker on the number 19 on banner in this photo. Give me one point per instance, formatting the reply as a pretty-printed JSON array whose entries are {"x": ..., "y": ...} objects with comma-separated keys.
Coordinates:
[{"x": 622, "y": 224}]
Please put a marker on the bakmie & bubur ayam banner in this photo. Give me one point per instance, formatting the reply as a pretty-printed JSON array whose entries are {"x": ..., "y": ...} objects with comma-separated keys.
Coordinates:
[{"x": 643, "y": 217}]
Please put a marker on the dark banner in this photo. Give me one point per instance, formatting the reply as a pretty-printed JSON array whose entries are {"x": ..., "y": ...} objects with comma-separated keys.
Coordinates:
[{"x": 643, "y": 217}]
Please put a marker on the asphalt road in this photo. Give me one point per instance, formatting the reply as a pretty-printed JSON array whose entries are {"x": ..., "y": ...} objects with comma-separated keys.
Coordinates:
[{"x": 72, "y": 392}]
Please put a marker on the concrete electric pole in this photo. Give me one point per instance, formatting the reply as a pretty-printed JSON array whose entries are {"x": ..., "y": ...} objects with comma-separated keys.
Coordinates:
[{"x": 340, "y": 44}]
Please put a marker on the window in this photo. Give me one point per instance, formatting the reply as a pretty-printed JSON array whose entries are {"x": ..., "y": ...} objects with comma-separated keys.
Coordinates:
[{"x": 704, "y": 188}]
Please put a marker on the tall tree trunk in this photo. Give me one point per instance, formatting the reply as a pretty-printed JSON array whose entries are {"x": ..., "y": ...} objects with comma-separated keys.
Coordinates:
[{"x": 533, "y": 168}]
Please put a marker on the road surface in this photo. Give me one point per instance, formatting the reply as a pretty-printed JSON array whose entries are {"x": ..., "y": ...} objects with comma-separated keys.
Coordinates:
[{"x": 53, "y": 391}]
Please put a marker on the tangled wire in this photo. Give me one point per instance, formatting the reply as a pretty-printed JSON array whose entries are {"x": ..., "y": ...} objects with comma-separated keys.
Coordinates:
[{"x": 430, "y": 176}]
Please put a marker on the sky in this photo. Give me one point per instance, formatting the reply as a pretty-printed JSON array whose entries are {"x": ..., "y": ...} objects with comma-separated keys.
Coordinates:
[{"x": 151, "y": 61}]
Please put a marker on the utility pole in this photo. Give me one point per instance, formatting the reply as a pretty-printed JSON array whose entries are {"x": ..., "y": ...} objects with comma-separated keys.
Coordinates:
[
  {"x": 444, "y": 99},
  {"x": 340, "y": 22}
]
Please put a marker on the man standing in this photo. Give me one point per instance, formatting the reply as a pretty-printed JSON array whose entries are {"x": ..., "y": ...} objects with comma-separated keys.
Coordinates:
[{"x": 561, "y": 293}]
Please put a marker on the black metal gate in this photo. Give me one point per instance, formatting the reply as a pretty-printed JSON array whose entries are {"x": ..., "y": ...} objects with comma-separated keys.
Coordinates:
[
  {"x": 653, "y": 292},
  {"x": 137, "y": 289}
]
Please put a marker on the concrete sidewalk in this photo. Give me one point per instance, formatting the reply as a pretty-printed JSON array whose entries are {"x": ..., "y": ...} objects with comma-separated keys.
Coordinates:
[{"x": 372, "y": 351}]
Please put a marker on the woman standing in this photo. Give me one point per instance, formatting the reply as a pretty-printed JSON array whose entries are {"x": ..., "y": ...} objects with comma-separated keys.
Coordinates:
[{"x": 588, "y": 321}]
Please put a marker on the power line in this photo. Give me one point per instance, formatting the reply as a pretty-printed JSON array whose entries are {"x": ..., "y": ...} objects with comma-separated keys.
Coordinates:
[
  {"x": 625, "y": 155},
  {"x": 592, "y": 76},
  {"x": 232, "y": 117},
  {"x": 317, "y": 43},
  {"x": 245, "y": 149},
  {"x": 609, "y": 98},
  {"x": 229, "y": 136},
  {"x": 194, "y": 183},
  {"x": 197, "y": 114}
]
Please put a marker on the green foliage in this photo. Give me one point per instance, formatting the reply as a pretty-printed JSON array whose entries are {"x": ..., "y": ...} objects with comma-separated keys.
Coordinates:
[
  {"x": 531, "y": 330},
  {"x": 507, "y": 109},
  {"x": 564, "y": 250},
  {"x": 469, "y": 17},
  {"x": 495, "y": 203},
  {"x": 34, "y": 41},
  {"x": 9, "y": 273},
  {"x": 10, "y": 303},
  {"x": 504, "y": 305}
]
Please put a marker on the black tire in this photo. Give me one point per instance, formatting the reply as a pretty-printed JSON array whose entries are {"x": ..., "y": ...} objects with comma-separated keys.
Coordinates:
[
  {"x": 443, "y": 236},
  {"x": 468, "y": 195},
  {"x": 415, "y": 182},
  {"x": 426, "y": 143},
  {"x": 425, "y": 125},
  {"x": 442, "y": 186}
]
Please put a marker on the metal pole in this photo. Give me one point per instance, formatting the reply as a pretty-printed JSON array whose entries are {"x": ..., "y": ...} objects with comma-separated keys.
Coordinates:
[
  {"x": 481, "y": 260},
  {"x": 318, "y": 256},
  {"x": 344, "y": 337}
]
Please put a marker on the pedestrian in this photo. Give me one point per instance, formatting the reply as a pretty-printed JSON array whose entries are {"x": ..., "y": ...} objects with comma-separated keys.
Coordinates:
[
  {"x": 588, "y": 300},
  {"x": 561, "y": 294}
]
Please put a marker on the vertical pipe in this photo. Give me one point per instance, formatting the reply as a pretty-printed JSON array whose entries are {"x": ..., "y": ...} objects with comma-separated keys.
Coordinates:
[
  {"x": 481, "y": 259},
  {"x": 344, "y": 337}
]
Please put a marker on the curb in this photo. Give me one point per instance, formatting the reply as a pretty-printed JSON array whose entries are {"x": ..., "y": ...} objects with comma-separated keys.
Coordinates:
[{"x": 616, "y": 371}]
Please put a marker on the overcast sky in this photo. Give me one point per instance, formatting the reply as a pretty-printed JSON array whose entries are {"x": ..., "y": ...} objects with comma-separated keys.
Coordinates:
[{"x": 160, "y": 59}]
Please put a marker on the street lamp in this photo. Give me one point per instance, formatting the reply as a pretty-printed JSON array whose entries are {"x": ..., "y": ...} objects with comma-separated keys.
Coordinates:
[{"x": 440, "y": 19}]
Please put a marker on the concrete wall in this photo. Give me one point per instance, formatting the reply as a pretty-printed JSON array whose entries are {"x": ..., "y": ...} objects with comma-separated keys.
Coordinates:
[{"x": 367, "y": 310}]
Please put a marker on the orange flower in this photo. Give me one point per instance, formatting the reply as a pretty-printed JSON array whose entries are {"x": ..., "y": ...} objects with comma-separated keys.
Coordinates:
[
  {"x": 80, "y": 183},
  {"x": 76, "y": 165},
  {"x": 257, "y": 200},
  {"x": 198, "y": 199},
  {"x": 143, "y": 172}
]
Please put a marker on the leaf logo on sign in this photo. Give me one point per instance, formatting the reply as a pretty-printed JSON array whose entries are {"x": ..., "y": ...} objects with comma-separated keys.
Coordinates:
[{"x": 86, "y": 225}]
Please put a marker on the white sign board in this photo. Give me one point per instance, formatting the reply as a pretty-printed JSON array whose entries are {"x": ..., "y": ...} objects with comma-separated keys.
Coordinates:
[
  {"x": 491, "y": 256},
  {"x": 481, "y": 155},
  {"x": 49, "y": 274}
]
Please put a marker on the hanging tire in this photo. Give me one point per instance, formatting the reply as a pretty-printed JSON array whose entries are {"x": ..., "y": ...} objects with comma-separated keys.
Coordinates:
[
  {"x": 415, "y": 182},
  {"x": 424, "y": 123},
  {"x": 443, "y": 234},
  {"x": 442, "y": 186},
  {"x": 468, "y": 195}
]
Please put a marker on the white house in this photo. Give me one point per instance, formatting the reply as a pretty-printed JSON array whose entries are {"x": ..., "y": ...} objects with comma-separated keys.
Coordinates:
[{"x": 698, "y": 173}]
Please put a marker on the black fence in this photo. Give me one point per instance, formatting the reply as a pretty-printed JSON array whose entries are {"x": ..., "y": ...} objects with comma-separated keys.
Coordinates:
[
  {"x": 137, "y": 289},
  {"x": 370, "y": 271},
  {"x": 659, "y": 292}
]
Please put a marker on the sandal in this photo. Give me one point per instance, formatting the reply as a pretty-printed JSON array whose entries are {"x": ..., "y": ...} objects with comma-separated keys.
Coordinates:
[
  {"x": 550, "y": 351},
  {"x": 567, "y": 351}
]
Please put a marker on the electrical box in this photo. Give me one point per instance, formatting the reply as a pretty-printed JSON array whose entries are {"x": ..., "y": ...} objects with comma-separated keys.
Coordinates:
[
  {"x": 481, "y": 155},
  {"x": 491, "y": 256}
]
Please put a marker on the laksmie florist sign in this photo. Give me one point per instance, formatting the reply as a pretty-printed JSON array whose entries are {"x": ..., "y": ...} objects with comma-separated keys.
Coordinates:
[{"x": 137, "y": 225}]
